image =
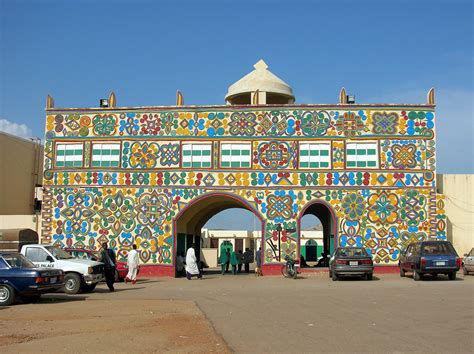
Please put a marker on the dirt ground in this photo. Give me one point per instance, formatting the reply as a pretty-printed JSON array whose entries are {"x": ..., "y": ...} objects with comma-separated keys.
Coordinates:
[
  {"x": 99, "y": 326},
  {"x": 245, "y": 314}
]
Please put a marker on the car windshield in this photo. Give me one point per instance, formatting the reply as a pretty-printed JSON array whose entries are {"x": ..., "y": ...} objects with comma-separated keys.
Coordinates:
[
  {"x": 352, "y": 252},
  {"x": 58, "y": 253},
  {"x": 16, "y": 260},
  {"x": 436, "y": 248}
]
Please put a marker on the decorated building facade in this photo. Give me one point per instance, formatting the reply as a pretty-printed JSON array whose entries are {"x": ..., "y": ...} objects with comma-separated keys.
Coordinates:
[{"x": 154, "y": 176}]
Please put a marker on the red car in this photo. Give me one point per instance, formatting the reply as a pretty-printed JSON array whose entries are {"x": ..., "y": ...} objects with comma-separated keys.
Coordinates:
[{"x": 121, "y": 270}]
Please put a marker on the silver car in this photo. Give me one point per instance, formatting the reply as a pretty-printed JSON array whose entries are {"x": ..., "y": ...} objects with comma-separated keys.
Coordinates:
[
  {"x": 349, "y": 261},
  {"x": 468, "y": 263}
]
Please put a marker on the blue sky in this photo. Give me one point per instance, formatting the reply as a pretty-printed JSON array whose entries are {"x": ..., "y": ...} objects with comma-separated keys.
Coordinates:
[{"x": 381, "y": 51}]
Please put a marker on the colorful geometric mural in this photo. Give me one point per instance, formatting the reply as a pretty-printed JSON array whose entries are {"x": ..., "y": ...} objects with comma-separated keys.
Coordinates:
[{"x": 254, "y": 154}]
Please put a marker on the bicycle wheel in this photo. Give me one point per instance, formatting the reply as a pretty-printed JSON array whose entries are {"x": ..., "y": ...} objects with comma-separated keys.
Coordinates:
[{"x": 285, "y": 271}]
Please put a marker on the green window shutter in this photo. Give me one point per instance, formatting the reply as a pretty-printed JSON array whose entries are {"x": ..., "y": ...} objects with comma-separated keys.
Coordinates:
[
  {"x": 245, "y": 152},
  {"x": 304, "y": 164},
  {"x": 235, "y": 164},
  {"x": 225, "y": 164},
  {"x": 371, "y": 152},
  {"x": 361, "y": 152},
  {"x": 325, "y": 164},
  {"x": 226, "y": 152},
  {"x": 206, "y": 164},
  {"x": 196, "y": 164},
  {"x": 314, "y": 153},
  {"x": 351, "y": 164},
  {"x": 245, "y": 164},
  {"x": 361, "y": 164},
  {"x": 206, "y": 152},
  {"x": 235, "y": 153},
  {"x": 186, "y": 164},
  {"x": 351, "y": 152},
  {"x": 186, "y": 152},
  {"x": 372, "y": 164},
  {"x": 314, "y": 164},
  {"x": 95, "y": 164},
  {"x": 324, "y": 153},
  {"x": 304, "y": 152}
]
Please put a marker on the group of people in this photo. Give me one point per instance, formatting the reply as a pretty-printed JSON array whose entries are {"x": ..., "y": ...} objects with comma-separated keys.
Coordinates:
[
  {"x": 110, "y": 265},
  {"x": 236, "y": 260}
]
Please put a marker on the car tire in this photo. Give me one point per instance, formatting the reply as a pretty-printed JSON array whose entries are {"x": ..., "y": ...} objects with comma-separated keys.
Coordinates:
[
  {"x": 416, "y": 275},
  {"x": 7, "y": 295},
  {"x": 402, "y": 272},
  {"x": 370, "y": 276},
  {"x": 330, "y": 274},
  {"x": 334, "y": 276},
  {"x": 33, "y": 299},
  {"x": 72, "y": 283},
  {"x": 452, "y": 276},
  {"x": 464, "y": 270},
  {"x": 88, "y": 288}
]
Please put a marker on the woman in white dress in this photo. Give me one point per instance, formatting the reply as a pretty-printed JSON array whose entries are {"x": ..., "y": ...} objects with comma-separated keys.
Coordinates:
[{"x": 191, "y": 264}]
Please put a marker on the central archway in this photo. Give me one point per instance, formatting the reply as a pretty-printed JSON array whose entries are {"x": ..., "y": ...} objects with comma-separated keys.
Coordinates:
[{"x": 188, "y": 223}]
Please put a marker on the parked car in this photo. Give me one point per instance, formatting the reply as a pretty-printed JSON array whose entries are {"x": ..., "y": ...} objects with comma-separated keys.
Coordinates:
[
  {"x": 351, "y": 261},
  {"x": 121, "y": 270},
  {"x": 20, "y": 278},
  {"x": 430, "y": 257},
  {"x": 468, "y": 263},
  {"x": 80, "y": 274}
]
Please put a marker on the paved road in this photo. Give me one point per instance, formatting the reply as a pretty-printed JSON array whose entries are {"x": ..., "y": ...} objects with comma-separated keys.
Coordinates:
[{"x": 315, "y": 314}]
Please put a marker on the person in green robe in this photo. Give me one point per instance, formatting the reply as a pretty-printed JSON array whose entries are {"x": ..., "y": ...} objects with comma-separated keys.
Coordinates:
[
  {"x": 234, "y": 260},
  {"x": 224, "y": 260}
]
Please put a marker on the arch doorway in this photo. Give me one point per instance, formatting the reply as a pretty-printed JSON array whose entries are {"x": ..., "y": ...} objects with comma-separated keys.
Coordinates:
[
  {"x": 318, "y": 247},
  {"x": 189, "y": 222}
]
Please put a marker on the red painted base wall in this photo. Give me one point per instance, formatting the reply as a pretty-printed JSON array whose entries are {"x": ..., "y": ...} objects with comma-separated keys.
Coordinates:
[{"x": 152, "y": 271}]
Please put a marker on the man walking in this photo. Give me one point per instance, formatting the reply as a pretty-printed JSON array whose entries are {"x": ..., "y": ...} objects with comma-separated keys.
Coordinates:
[
  {"x": 133, "y": 265},
  {"x": 248, "y": 258},
  {"x": 108, "y": 258}
]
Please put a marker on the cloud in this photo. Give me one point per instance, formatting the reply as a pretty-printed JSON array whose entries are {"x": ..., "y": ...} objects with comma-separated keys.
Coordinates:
[{"x": 21, "y": 130}]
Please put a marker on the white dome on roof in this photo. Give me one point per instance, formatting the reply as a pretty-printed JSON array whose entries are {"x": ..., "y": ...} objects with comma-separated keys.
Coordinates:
[{"x": 260, "y": 79}]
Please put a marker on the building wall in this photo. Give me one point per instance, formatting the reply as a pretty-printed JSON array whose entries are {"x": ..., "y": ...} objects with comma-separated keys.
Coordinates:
[
  {"x": 21, "y": 161},
  {"x": 382, "y": 205},
  {"x": 458, "y": 190}
]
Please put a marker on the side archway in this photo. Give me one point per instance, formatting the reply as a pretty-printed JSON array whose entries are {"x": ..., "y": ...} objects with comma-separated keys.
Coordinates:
[{"x": 325, "y": 213}]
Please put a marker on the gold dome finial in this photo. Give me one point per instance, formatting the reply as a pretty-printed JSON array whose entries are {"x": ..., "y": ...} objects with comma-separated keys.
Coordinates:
[
  {"x": 49, "y": 102},
  {"x": 430, "y": 98},
  {"x": 179, "y": 98},
  {"x": 112, "y": 100}
]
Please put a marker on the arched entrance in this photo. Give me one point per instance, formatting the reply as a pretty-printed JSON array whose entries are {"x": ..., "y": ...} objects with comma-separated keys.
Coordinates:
[
  {"x": 189, "y": 221},
  {"x": 328, "y": 219}
]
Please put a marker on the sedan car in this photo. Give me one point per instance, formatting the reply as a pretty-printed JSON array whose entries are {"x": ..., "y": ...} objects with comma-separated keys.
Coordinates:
[
  {"x": 121, "y": 269},
  {"x": 468, "y": 263},
  {"x": 430, "y": 257},
  {"x": 20, "y": 278},
  {"x": 351, "y": 261}
]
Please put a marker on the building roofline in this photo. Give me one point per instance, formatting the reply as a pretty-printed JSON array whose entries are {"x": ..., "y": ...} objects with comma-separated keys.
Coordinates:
[{"x": 242, "y": 107}]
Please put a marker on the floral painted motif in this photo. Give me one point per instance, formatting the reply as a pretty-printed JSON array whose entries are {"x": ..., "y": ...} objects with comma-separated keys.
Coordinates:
[
  {"x": 349, "y": 124},
  {"x": 315, "y": 123},
  {"x": 144, "y": 155},
  {"x": 117, "y": 213},
  {"x": 404, "y": 156},
  {"x": 275, "y": 154},
  {"x": 153, "y": 208},
  {"x": 170, "y": 154},
  {"x": 383, "y": 207},
  {"x": 279, "y": 207},
  {"x": 150, "y": 124},
  {"x": 242, "y": 123},
  {"x": 353, "y": 205},
  {"x": 384, "y": 123},
  {"x": 412, "y": 208},
  {"x": 104, "y": 125}
]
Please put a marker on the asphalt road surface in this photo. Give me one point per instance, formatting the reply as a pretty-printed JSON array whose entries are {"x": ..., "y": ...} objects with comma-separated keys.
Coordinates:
[{"x": 309, "y": 314}]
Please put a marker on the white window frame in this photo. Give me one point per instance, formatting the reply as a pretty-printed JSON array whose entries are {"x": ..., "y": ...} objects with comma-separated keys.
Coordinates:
[
  {"x": 103, "y": 159},
  {"x": 70, "y": 155},
  {"x": 311, "y": 156},
  {"x": 240, "y": 155},
  {"x": 200, "y": 157},
  {"x": 358, "y": 153}
]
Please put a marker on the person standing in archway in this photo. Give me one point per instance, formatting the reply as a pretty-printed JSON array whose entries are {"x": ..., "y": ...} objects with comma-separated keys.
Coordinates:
[
  {"x": 258, "y": 260},
  {"x": 234, "y": 261},
  {"x": 248, "y": 258},
  {"x": 224, "y": 260},
  {"x": 191, "y": 264}
]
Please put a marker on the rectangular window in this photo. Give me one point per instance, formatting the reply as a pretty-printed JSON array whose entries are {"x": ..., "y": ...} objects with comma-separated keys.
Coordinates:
[
  {"x": 105, "y": 154},
  {"x": 197, "y": 155},
  {"x": 315, "y": 155},
  {"x": 69, "y": 155},
  {"x": 236, "y": 155},
  {"x": 362, "y": 155}
]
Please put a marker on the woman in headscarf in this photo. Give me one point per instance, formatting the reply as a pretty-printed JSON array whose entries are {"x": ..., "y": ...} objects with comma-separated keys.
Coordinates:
[
  {"x": 234, "y": 260},
  {"x": 224, "y": 259},
  {"x": 191, "y": 264}
]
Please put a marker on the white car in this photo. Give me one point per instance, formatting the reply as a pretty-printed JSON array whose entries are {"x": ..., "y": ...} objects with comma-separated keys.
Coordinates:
[
  {"x": 468, "y": 263},
  {"x": 80, "y": 274}
]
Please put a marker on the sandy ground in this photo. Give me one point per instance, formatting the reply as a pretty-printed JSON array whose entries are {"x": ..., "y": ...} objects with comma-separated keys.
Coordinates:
[
  {"x": 246, "y": 314},
  {"x": 87, "y": 325}
]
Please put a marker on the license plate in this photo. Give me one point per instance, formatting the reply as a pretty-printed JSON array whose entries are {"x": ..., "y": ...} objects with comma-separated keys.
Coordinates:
[
  {"x": 440, "y": 263},
  {"x": 353, "y": 263},
  {"x": 52, "y": 280}
]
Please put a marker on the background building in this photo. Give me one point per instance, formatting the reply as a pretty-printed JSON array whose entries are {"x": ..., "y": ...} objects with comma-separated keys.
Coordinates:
[
  {"x": 21, "y": 177},
  {"x": 155, "y": 175}
]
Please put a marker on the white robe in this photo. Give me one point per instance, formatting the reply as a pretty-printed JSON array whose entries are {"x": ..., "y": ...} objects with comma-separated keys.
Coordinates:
[
  {"x": 191, "y": 262},
  {"x": 132, "y": 262}
]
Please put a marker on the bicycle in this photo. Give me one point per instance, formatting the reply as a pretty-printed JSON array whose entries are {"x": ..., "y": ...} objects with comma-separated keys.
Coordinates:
[{"x": 289, "y": 269}]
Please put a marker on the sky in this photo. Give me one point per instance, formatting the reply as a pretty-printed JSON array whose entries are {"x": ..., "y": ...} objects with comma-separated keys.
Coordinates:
[{"x": 380, "y": 51}]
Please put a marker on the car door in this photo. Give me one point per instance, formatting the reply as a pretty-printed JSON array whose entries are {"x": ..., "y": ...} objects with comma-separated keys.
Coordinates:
[
  {"x": 39, "y": 257},
  {"x": 404, "y": 259}
]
